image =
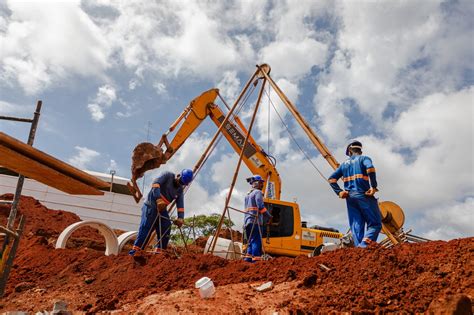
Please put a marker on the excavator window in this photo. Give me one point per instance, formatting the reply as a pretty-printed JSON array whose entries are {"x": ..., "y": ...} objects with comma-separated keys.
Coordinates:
[{"x": 282, "y": 223}]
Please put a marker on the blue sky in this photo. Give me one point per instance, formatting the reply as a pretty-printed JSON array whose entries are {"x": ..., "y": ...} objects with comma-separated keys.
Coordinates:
[{"x": 397, "y": 75}]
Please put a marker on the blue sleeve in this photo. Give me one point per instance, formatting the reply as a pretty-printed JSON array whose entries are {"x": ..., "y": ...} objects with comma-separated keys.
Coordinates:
[
  {"x": 260, "y": 204},
  {"x": 370, "y": 169},
  {"x": 180, "y": 205},
  {"x": 259, "y": 200},
  {"x": 155, "y": 192},
  {"x": 333, "y": 180}
]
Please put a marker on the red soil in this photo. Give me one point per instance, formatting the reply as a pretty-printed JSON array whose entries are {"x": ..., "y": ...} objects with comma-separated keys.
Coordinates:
[{"x": 406, "y": 278}]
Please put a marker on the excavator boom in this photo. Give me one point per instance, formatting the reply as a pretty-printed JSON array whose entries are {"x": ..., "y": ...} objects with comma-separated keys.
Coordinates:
[{"x": 147, "y": 156}]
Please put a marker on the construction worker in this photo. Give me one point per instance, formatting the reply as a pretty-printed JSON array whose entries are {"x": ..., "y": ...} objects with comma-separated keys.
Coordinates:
[
  {"x": 164, "y": 189},
  {"x": 360, "y": 185},
  {"x": 255, "y": 210}
]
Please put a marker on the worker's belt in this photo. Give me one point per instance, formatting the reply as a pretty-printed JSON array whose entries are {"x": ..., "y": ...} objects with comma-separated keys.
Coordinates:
[
  {"x": 255, "y": 209},
  {"x": 165, "y": 200},
  {"x": 354, "y": 177}
]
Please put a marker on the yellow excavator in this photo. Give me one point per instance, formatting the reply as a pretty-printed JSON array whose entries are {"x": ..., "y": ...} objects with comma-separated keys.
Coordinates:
[{"x": 287, "y": 235}]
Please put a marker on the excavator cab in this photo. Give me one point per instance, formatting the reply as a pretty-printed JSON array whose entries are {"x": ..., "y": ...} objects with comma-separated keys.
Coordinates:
[
  {"x": 285, "y": 235},
  {"x": 282, "y": 223}
]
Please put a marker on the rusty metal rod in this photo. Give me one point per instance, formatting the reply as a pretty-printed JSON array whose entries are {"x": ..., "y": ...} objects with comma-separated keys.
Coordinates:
[
  {"x": 28, "y": 120},
  {"x": 21, "y": 178},
  {"x": 239, "y": 163},
  {"x": 226, "y": 119},
  {"x": 184, "y": 240},
  {"x": 6, "y": 266},
  {"x": 8, "y": 231},
  {"x": 241, "y": 211}
]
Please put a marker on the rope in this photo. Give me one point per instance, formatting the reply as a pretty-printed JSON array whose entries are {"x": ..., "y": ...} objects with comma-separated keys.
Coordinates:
[
  {"x": 268, "y": 124},
  {"x": 294, "y": 139}
]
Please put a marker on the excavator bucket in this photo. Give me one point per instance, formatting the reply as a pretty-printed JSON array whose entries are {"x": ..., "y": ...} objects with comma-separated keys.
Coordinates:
[{"x": 146, "y": 156}]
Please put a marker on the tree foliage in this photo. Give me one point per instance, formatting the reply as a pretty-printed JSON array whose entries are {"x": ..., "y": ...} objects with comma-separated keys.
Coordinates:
[{"x": 197, "y": 226}]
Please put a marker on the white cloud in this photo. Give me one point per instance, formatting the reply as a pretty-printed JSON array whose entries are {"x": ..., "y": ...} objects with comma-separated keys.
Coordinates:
[
  {"x": 229, "y": 86},
  {"x": 294, "y": 59},
  {"x": 448, "y": 221},
  {"x": 104, "y": 98},
  {"x": 37, "y": 65},
  {"x": 133, "y": 83},
  {"x": 440, "y": 130},
  {"x": 113, "y": 166},
  {"x": 173, "y": 38},
  {"x": 390, "y": 54},
  {"x": 160, "y": 88},
  {"x": 297, "y": 45},
  {"x": 8, "y": 108},
  {"x": 84, "y": 157},
  {"x": 279, "y": 138}
]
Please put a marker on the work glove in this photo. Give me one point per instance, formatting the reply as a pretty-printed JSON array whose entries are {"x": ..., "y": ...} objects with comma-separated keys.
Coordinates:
[
  {"x": 178, "y": 222},
  {"x": 161, "y": 204},
  {"x": 371, "y": 191},
  {"x": 344, "y": 194}
]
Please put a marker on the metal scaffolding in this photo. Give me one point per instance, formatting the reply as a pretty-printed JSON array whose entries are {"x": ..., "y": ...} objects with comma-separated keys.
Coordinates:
[{"x": 11, "y": 234}]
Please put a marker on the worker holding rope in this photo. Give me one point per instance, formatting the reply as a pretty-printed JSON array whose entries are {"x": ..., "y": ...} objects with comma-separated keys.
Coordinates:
[
  {"x": 164, "y": 189},
  {"x": 255, "y": 210},
  {"x": 362, "y": 207}
]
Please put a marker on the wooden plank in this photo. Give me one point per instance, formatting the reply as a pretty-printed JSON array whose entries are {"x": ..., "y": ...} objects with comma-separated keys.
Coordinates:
[
  {"x": 42, "y": 173},
  {"x": 49, "y": 161}
]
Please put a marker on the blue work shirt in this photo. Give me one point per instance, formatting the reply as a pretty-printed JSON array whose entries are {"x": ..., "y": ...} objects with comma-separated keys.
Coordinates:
[
  {"x": 165, "y": 188},
  {"x": 254, "y": 207},
  {"x": 355, "y": 172}
]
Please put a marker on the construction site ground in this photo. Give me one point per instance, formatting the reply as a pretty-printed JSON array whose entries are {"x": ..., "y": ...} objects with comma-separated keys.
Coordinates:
[{"x": 411, "y": 278}]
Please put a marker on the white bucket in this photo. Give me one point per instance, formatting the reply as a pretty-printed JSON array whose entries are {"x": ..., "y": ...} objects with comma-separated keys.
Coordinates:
[{"x": 206, "y": 287}]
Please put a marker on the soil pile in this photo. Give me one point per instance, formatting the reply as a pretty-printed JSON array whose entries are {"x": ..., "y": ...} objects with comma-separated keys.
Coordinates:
[{"x": 408, "y": 277}]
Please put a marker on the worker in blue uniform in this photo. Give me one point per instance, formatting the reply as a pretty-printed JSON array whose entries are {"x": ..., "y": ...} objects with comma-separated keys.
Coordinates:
[
  {"x": 164, "y": 189},
  {"x": 360, "y": 185},
  {"x": 253, "y": 220}
]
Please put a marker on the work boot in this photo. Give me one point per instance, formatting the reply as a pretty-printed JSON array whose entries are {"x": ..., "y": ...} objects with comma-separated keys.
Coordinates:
[
  {"x": 133, "y": 250},
  {"x": 256, "y": 258},
  {"x": 366, "y": 242}
]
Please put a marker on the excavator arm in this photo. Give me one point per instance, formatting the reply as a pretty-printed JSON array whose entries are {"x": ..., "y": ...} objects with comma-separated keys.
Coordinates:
[{"x": 147, "y": 156}]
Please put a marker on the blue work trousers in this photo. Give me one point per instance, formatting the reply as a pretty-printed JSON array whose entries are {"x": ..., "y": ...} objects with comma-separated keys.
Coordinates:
[
  {"x": 254, "y": 243},
  {"x": 363, "y": 211},
  {"x": 149, "y": 221}
]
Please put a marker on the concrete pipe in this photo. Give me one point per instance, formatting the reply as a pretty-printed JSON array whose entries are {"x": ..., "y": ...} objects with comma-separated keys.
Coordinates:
[
  {"x": 125, "y": 237},
  {"x": 111, "y": 242}
]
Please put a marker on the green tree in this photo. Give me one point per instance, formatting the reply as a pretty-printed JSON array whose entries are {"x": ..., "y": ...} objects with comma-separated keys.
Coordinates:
[{"x": 199, "y": 225}]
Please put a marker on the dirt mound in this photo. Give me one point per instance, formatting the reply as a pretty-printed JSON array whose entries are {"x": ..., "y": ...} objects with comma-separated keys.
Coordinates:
[
  {"x": 406, "y": 278},
  {"x": 48, "y": 224}
]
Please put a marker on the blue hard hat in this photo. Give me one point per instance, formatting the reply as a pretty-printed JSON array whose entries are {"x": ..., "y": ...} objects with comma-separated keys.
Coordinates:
[
  {"x": 257, "y": 178},
  {"x": 186, "y": 176}
]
